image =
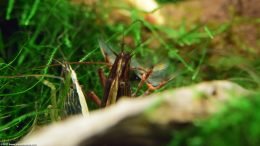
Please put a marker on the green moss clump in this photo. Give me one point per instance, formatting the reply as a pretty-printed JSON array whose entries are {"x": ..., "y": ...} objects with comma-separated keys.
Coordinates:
[{"x": 237, "y": 124}]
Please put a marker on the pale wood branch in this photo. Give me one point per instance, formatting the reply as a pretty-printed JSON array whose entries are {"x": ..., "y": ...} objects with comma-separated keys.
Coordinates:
[{"x": 144, "y": 121}]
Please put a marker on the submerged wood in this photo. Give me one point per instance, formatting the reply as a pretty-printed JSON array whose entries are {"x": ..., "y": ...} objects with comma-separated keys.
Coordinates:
[{"x": 144, "y": 121}]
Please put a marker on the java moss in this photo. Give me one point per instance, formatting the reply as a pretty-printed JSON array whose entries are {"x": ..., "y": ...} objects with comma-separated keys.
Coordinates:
[{"x": 33, "y": 35}]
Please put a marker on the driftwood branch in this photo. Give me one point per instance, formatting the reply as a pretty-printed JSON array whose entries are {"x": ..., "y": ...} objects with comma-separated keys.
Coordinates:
[{"x": 144, "y": 121}]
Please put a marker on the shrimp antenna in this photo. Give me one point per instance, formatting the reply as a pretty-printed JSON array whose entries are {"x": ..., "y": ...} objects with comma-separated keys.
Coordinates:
[{"x": 123, "y": 43}]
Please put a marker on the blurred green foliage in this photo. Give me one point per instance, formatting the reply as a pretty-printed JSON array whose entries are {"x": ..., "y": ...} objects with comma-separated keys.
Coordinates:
[
  {"x": 169, "y": 1},
  {"x": 237, "y": 124}
]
